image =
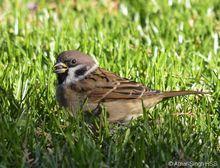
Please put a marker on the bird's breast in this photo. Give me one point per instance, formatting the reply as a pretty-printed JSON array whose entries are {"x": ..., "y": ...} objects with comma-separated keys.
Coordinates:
[{"x": 69, "y": 98}]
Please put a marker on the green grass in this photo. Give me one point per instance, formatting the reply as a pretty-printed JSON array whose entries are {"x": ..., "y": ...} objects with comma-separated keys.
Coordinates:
[{"x": 136, "y": 39}]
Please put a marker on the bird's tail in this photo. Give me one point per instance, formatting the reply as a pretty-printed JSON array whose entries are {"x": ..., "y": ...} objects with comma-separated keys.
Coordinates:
[{"x": 170, "y": 94}]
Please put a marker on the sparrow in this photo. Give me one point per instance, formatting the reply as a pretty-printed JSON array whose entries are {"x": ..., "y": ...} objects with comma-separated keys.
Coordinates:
[{"x": 83, "y": 85}]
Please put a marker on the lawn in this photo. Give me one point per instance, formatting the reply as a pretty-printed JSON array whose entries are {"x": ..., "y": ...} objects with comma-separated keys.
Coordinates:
[{"x": 167, "y": 45}]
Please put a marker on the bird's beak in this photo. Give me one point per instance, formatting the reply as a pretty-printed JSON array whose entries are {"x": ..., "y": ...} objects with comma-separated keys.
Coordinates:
[{"x": 60, "y": 68}]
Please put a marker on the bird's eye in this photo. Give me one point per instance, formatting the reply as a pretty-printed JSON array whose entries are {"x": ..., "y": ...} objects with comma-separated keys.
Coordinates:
[{"x": 73, "y": 61}]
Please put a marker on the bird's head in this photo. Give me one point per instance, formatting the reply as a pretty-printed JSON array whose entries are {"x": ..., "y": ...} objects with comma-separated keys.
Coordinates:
[{"x": 72, "y": 66}]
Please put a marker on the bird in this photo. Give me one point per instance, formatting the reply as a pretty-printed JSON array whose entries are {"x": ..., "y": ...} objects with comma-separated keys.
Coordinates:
[{"x": 84, "y": 86}]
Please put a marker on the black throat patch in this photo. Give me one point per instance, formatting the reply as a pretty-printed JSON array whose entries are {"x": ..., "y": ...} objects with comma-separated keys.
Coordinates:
[{"x": 62, "y": 77}]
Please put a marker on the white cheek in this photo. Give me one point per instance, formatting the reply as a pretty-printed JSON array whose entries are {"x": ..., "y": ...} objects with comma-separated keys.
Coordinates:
[
  {"x": 71, "y": 75},
  {"x": 71, "y": 78}
]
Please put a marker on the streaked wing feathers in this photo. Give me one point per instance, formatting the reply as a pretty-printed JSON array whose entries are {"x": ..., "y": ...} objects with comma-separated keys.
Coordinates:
[{"x": 104, "y": 86}]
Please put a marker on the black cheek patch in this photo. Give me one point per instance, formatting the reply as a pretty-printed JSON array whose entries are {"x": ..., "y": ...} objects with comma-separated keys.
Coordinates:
[{"x": 80, "y": 72}]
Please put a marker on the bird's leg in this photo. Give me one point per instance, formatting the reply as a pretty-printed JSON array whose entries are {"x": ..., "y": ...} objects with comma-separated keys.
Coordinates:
[{"x": 97, "y": 111}]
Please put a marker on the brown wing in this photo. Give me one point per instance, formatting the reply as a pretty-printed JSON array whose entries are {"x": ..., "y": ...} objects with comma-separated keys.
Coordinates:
[{"x": 103, "y": 86}]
